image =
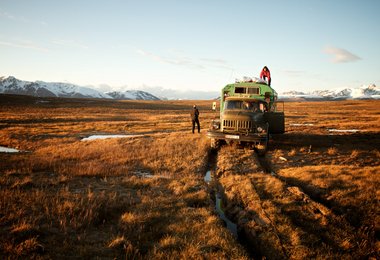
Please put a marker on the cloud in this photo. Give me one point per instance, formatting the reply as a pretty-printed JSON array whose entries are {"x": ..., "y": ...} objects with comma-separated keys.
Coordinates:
[
  {"x": 295, "y": 73},
  {"x": 24, "y": 46},
  {"x": 341, "y": 55},
  {"x": 70, "y": 43},
  {"x": 7, "y": 15},
  {"x": 22, "y": 19},
  {"x": 188, "y": 62},
  {"x": 102, "y": 87},
  {"x": 180, "y": 61},
  {"x": 13, "y": 17},
  {"x": 217, "y": 63}
]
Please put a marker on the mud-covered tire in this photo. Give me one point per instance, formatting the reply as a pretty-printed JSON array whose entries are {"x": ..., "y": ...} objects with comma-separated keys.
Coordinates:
[
  {"x": 276, "y": 122},
  {"x": 262, "y": 148}
]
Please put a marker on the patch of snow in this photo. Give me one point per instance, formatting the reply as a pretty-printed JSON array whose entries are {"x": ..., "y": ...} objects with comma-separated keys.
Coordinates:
[
  {"x": 344, "y": 130},
  {"x": 301, "y": 124},
  {"x": 8, "y": 150},
  {"x": 149, "y": 175},
  {"x": 95, "y": 137}
]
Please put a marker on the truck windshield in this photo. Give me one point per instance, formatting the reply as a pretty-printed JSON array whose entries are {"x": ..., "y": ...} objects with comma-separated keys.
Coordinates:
[{"x": 243, "y": 105}]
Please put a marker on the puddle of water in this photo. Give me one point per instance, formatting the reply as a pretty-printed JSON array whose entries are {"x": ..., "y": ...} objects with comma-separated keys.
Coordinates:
[
  {"x": 208, "y": 177},
  {"x": 95, "y": 137},
  {"x": 230, "y": 225},
  {"x": 144, "y": 175},
  {"x": 8, "y": 150}
]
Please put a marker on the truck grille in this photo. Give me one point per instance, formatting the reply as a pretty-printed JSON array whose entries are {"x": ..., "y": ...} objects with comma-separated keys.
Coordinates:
[{"x": 237, "y": 125}]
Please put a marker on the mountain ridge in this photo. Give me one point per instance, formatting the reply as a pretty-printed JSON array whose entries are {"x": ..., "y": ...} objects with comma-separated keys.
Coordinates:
[
  {"x": 363, "y": 92},
  {"x": 12, "y": 85}
]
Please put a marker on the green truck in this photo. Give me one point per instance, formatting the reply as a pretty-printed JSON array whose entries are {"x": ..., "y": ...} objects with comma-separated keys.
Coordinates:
[{"x": 249, "y": 112}]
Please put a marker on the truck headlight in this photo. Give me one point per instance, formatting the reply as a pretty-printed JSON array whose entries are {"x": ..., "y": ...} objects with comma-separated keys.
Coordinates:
[
  {"x": 260, "y": 129},
  {"x": 215, "y": 125}
]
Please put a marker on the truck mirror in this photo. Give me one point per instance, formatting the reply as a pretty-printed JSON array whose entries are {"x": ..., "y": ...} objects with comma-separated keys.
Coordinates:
[{"x": 214, "y": 106}]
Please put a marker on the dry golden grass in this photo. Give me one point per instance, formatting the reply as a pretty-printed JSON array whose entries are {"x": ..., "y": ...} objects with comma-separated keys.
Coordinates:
[
  {"x": 68, "y": 198},
  {"x": 332, "y": 151},
  {"x": 339, "y": 171},
  {"x": 315, "y": 195},
  {"x": 145, "y": 197}
]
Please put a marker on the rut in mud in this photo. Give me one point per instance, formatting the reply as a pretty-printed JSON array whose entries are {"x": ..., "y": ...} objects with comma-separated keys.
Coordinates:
[{"x": 278, "y": 220}]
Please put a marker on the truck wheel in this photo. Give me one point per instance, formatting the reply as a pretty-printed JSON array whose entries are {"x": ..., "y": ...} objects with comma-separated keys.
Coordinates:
[
  {"x": 276, "y": 122},
  {"x": 262, "y": 148}
]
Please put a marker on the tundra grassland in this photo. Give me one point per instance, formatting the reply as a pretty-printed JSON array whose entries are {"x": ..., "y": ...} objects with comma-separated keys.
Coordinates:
[
  {"x": 314, "y": 195},
  {"x": 142, "y": 197}
]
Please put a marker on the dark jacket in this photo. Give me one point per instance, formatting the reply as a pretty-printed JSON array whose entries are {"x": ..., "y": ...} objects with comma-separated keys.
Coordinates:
[{"x": 194, "y": 114}]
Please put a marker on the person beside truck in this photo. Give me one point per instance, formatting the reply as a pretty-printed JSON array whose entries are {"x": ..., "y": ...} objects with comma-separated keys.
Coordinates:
[{"x": 195, "y": 118}]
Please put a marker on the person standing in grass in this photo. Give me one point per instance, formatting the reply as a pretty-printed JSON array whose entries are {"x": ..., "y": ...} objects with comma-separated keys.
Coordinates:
[{"x": 195, "y": 118}]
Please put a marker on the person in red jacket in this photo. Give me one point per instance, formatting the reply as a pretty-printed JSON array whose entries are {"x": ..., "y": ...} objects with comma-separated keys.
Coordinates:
[{"x": 265, "y": 75}]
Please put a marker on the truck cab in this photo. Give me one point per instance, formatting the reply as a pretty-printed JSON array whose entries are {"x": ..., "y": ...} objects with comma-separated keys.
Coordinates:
[{"x": 248, "y": 114}]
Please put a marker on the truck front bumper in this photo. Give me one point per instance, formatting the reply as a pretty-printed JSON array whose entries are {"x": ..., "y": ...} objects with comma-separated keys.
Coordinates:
[{"x": 253, "y": 138}]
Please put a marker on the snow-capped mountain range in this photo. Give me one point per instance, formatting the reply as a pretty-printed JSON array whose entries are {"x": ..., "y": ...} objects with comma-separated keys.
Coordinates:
[
  {"x": 132, "y": 94},
  {"x": 11, "y": 85},
  {"x": 363, "y": 92}
]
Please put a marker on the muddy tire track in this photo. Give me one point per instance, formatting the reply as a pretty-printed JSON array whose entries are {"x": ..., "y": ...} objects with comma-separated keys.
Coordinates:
[
  {"x": 351, "y": 215},
  {"x": 301, "y": 191},
  {"x": 278, "y": 220}
]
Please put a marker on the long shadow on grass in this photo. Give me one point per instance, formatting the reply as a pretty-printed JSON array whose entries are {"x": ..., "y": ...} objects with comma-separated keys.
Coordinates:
[
  {"x": 323, "y": 239},
  {"x": 346, "y": 216},
  {"x": 361, "y": 141},
  {"x": 353, "y": 214},
  {"x": 65, "y": 120}
]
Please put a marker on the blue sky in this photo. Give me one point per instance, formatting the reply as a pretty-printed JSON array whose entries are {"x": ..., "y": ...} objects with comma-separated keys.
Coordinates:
[{"x": 201, "y": 45}]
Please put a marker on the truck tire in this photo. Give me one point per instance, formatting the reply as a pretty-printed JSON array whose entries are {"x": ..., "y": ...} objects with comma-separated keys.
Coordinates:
[
  {"x": 276, "y": 122},
  {"x": 262, "y": 148}
]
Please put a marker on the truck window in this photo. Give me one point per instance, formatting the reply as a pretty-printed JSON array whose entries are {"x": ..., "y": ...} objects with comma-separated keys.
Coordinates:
[
  {"x": 240, "y": 90},
  {"x": 244, "y": 105},
  {"x": 255, "y": 107},
  {"x": 255, "y": 91},
  {"x": 233, "y": 104}
]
